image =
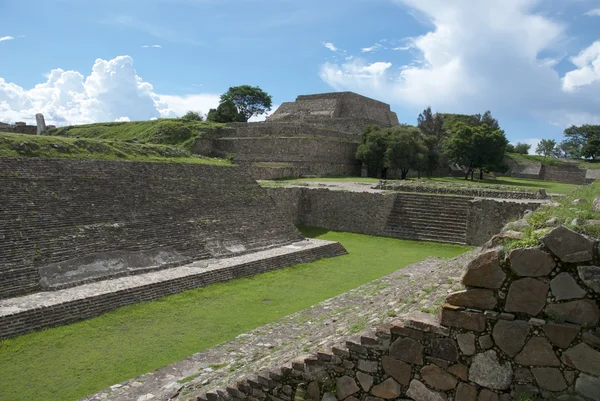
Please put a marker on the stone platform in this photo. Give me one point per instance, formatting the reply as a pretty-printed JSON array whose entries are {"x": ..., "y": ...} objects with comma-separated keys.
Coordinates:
[{"x": 46, "y": 309}]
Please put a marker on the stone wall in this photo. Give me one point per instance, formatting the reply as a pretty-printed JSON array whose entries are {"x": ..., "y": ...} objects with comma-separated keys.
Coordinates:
[
  {"x": 569, "y": 175},
  {"x": 486, "y": 217},
  {"x": 410, "y": 186},
  {"x": 526, "y": 326},
  {"x": 19, "y": 128},
  {"x": 80, "y": 218}
]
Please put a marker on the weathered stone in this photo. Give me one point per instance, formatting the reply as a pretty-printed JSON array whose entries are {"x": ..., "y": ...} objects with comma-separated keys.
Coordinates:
[
  {"x": 466, "y": 392},
  {"x": 353, "y": 398},
  {"x": 365, "y": 380},
  {"x": 583, "y": 311},
  {"x": 596, "y": 204},
  {"x": 444, "y": 348},
  {"x": 537, "y": 352},
  {"x": 501, "y": 237},
  {"x": 475, "y": 298},
  {"x": 346, "y": 386},
  {"x": 523, "y": 375},
  {"x": 487, "y": 395},
  {"x": 400, "y": 328},
  {"x": 552, "y": 222},
  {"x": 462, "y": 319},
  {"x": 437, "y": 361},
  {"x": 367, "y": 366},
  {"x": 526, "y": 295},
  {"x": 313, "y": 391},
  {"x": 569, "y": 246},
  {"x": 407, "y": 350},
  {"x": 485, "y": 342},
  {"x": 564, "y": 287},
  {"x": 510, "y": 336},
  {"x": 590, "y": 275},
  {"x": 459, "y": 370},
  {"x": 525, "y": 390},
  {"x": 466, "y": 343},
  {"x": 569, "y": 397},
  {"x": 484, "y": 271},
  {"x": 531, "y": 262},
  {"x": 329, "y": 397},
  {"x": 419, "y": 392},
  {"x": 561, "y": 335},
  {"x": 550, "y": 379},
  {"x": 588, "y": 386},
  {"x": 584, "y": 358},
  {"x": 487, "y": 371},
  {"x": 425, "y": 322},
  {"x": 399, "y": 370},
  {"x": 387, "y": 390},
  {"x": 569, "y": 376},
  {"x": 591, "y": 338},
  {"x": 438, "y": 379}
]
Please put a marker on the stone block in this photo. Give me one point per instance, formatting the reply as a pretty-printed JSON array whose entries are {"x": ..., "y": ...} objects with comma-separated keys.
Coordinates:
[
  {"x": 466, "y": 343},
  {"x": 526, "y": 295},
  {"x": 510, "y": 336},
  {"x": 537, "y": 352},
  {"x": 400, "y": 371},
  {"x": 444, "y": 348},
  {"x": 565, "y": 287},
  {"x": 588, "y": 386},
  {"x": 387, "y": 390},
  {"x": 561, "y": 334},
  {"x": 550, "y": 379},
  {"x": 438, "y": 378},
  {"x": 531, "y": 262},
  {"x": 485, "y": 342},
  {"x": 584, "y": 358},
  {"x": 419, "y": 392},
  {"x": 474, "y": 298},
  {"x": 591, "y": 338},
  {"x": 487, "y": 371},
  {"x": 487, "y": 395},
  {"x": 466, "y": 392},
  {"x": 590, "y": 275},
  {"x": 583, "y": 311},
  {"x": 407, "y": 350},
  {"x": 485, "y": 271},
  {"x": 459, "y": 370},
  {"x": 568, "y": 245},
  {"x": 425, "y": 322},
  {"x": 346, "y": 386},
  {"x": 365, "y": 380},
  {"x": 462, "y": 319}
]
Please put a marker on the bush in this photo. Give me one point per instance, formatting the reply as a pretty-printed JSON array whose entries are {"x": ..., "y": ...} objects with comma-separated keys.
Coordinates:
[{"x": 192, "y": 116}]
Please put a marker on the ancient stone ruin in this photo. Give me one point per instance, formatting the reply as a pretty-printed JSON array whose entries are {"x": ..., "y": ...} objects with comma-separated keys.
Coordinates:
[
  {"x": 20, "y": 127},
  {"x": 315, "y": 135}
]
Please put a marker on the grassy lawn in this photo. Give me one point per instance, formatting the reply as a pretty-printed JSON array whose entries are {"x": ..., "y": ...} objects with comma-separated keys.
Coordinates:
[
  {"x": 70, "y": 362},
  {"x": 551, "y": 161},
  {"x": 57, "y": 147}
]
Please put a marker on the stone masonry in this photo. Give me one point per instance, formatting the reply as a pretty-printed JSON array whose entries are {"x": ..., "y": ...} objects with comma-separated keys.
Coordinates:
[{"x": 525, "y": 326}]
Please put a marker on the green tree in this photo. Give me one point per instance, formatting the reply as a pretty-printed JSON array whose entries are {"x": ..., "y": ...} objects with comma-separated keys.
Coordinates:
[
  {"x": 432, "y": 128},
  {"x": 569, "y": 149},
  {"x": 510, "y": 148},
  {"x": 591, "y": 149},
  {"x": 192, "y": 116},
  {"x": 583, "y": 140},
  {"x": 406, "y": 150},
  {"x": 248, "y": 100},
  {"x": 522, "y": 148},
  {"x": 226, "y": 112},
  {"x": 371, "y": 150},
  {"x": 546, "y": 147}
]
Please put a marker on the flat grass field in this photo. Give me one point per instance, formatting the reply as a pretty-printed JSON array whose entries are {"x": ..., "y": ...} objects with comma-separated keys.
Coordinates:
[{"x": 70, "y": 362}]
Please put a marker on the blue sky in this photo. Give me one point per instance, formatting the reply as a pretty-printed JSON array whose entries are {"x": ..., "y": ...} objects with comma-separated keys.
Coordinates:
[{"x": 534, "y": 63}]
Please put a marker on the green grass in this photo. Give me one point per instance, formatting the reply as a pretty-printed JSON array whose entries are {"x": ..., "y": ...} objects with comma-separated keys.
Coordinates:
[
  {"x": 164, "y": 131},
  {"x": 522, "y": 184},
  {"x": 69, "y": 362},
  {"x": 551, "y": 161},
  {"x": 55, "y": 147}
]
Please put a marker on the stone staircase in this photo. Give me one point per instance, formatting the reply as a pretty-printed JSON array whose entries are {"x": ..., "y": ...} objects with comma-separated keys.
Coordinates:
[{"x": 428, "y": 218}]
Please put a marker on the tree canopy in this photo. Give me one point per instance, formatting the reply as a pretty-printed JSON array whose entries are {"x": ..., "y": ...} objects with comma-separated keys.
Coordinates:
[
  {"x": 225, "y": 113},
  {"x": 406, "y": 150},
  {"x": 372, "y": 147},
  {"x": 522, "y": 148},
  {"x": 546, "y": 147},
  {"x": 582, "y": 141},
  {"x": 248, "y": 100}
]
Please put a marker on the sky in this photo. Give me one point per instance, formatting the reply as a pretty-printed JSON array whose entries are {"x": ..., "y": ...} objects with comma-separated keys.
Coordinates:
[{"x": 535, "y": 64}]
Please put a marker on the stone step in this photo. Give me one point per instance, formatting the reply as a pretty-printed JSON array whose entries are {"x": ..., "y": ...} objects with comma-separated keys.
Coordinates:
[{"x": 395, "y": 216}]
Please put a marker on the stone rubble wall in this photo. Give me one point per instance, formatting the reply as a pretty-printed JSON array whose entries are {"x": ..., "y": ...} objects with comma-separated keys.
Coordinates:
[
  {"x": 19, "y": 129},
  {"x": 569, "y": 175},
  {"x": 526, "y": 326},
  {"x": 56, "y": 211},
  {"x": 395, "y": 185}
]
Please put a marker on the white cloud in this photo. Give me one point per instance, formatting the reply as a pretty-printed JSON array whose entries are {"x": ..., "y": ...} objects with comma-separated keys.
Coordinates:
[
  {"x": 155, "y": 46},
  {"x": 122, "y": 119},
  {"x": 111, "y": 92},
  {"x": 373, "y": 48},
  {"x": 330, "y": 46},
  {"x": 593, "y": 13},
  {"x": 4, "y": 38},
  {"x": 498, "y": 55},
  {"x": 263, "y": 117}
]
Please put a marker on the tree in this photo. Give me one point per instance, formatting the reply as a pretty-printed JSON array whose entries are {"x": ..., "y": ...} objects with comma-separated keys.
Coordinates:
[
  {"x": 546, "y": 147},
  {"x": 522, "y": 148},
  {"x": 582, "y": 140},
  {"x": 432, "y": 128},
  {"x": 226, "y": 112},
  {"x": 591, "y": 149},
  {"x": 510, "y": 148},
  {"x": 371, "y": 150},
  {"x": 569, "y": 148},
  {"x": 476, "y": 147},
  {"x": 248, "y": 100},
  {"x": 192, "y": 116},
  {"x": 406, "y": 150}
]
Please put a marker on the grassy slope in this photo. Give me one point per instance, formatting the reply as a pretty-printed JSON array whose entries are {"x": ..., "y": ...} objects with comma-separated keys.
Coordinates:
[
  {"x": 88, "y": 356},
  {"x": 21, "y": 145},
  {"x": 550, "y": 161}
]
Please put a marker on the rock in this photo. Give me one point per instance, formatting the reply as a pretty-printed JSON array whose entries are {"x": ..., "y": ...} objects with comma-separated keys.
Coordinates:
[
  {"x": 329, "y": 397},
  {"x": 419, "y": 392},
  {"x": 459, "y": 370},
  {"x": 584, "y": 311},
  {"x": 569, "y": 397},
  {"x": 523, "y": 375},
  {"x": 526, "y": 295},
  {"x": 579, "y": 202},
  {"x": 475, "y": 298},
  {"x": 590, "y": 275},
  {"x": 365, "y": 380},
  {"x": 577, "y": 222},
  {"x": 588, "y": 386},
  {"x": 584, "y": 358},
  {"x": 592, "y": 222},
  {"x": 561, "y": 335},
  {"x": 510, "y": 336},
  {"x": 444, "y": 348},
  {"x": 438, "y": 379},
  {"x": 564, "y": 287},
  {"x": 437, "y": 361},
  {"x": 591, "y": 338},
  {"x": 569, "y": 246},
  {"x": 537, "y": 352},
  {"x": 313, "y": 391},
  {"x": 367, "y": 366},
  {"x": 596, "y": 204},
  {"x": 488, "y": 372},
  {"x": 540, "y": 193},
  {"x": 466, "y": 392},
  {"x": 484, "y": 271},
  {"x": 552, "y": 222},
  {"x": 399, "y": 370},
  {"x": 387, "y": 390},
  {"x": 531, "y": 262},
  {"x": 515, "y": 225},
  {"x": 407, "y": 350},
  {"x": 466, "y": 343},
  {"x": 461, "y": 319},
  {"x": 499, "y": 238},
  {"x": 346, "y": 386},
  {"x": 486, "y": 342},
  {"x": 487, "y": 395},
  {"x": 426, "y": 323},
  {"x": 550, "y": 379}
]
